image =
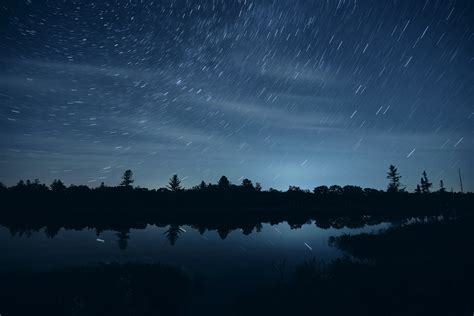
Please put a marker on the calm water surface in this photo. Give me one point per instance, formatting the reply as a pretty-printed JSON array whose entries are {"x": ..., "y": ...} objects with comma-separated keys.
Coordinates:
[
  {"x": 191, "y": 249},
  {"x": 236, "y": 263}
]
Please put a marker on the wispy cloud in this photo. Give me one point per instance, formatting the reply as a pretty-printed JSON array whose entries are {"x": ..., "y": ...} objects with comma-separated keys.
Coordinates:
[{"x": 276, "y": 117}]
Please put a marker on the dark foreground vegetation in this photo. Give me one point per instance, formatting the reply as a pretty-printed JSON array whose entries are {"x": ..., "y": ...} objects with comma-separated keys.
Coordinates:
[
  {"x": 108, "y": 289},
  {"x": 417, "y": 269}
]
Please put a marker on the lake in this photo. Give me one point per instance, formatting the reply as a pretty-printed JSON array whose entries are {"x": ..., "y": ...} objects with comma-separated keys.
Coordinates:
[{"x": 222, "y": 267}]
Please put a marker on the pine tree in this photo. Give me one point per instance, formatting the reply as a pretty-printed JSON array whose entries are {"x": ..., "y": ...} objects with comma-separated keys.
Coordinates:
[
  {"x": 418, "y": 189},
  {"x": 202, "y": 186},
  {"x": 58, "y": 186},
  {"x": 425, "y": 184},
  {"x": 174, "y": 184},
  {"x": 442, "y": 189},
  {"x": 394, "y": 177},
  {"x": 127, "y": 179}
]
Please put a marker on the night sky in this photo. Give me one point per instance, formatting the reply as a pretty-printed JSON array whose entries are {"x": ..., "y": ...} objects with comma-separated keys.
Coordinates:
[{"x": 281, "y": 92}]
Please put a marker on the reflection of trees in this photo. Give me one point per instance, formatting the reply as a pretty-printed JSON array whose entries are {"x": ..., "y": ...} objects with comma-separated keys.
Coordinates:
[
  {"x": 247, "y": 230},
  {"x": 52, "y": 230},
  {"x": 223, "y": 232},
  {"x": 21, "y": 231},
  {"x": 201, "y": 228},
  {"x": 349, "y": 222},
  {"x": 172, "y": 233},
  {"x": 122, "y": 238},
  {"x": 323, "y": 224},
  {"x": 246, "y": 222}
]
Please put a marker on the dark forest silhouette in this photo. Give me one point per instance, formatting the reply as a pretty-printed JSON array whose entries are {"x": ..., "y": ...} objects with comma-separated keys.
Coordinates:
[
  {"x": 223, "y": 185},
  {"x": 34, "y": 194},
  {"x": 223, "y": 206},
  {"x": 31, "y": 206}
]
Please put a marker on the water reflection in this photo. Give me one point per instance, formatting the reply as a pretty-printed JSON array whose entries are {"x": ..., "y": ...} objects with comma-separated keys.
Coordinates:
[
  {"x": 122, "y": 238},
  {"x": 223, "y": 222},
  {"x": 174, "y": 230},
  {"x": 172, "y": 233},
  {"x": 292, "y": 259},
  {"x": 33, "y": 247}
]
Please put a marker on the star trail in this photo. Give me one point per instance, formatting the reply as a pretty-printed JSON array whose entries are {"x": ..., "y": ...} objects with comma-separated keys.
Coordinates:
[{"x": 281, "y": 92}]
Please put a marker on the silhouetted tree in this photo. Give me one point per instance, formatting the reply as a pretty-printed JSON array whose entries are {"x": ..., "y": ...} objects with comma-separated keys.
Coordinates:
[
  {"x": 223, "y": 183},
  {"x": 321, "y": 190},
  {"x": 418, "y": 189},
  {"x": 352, "y": 189},
  {"x": 79, "y": 189},
  {"x": 258, "y": 187},
  {"x": 21, "y": 184},
  {"x": 394, "y": 178},
  {"x": 127, "y": 179},
  {"x": 247, "y": 184},
  {"x": 442, "y": 189},
  {"x": 294, "y": 188},
  {"x": 202, "y": 186},
  {"x": 335, "y": 189},
  {"x": 370, "y": 191},
  {"x": 58, "y": 186},
  {"x": 174, "y": 184},
  {"x": 425, "y": 184},
  {"x": 36, "y": 185}
]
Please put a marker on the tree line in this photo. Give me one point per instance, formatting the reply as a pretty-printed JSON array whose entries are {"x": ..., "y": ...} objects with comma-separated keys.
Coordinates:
[
  {"x": 222, "y": 206},
  {"x": 224, "y": 185}
]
